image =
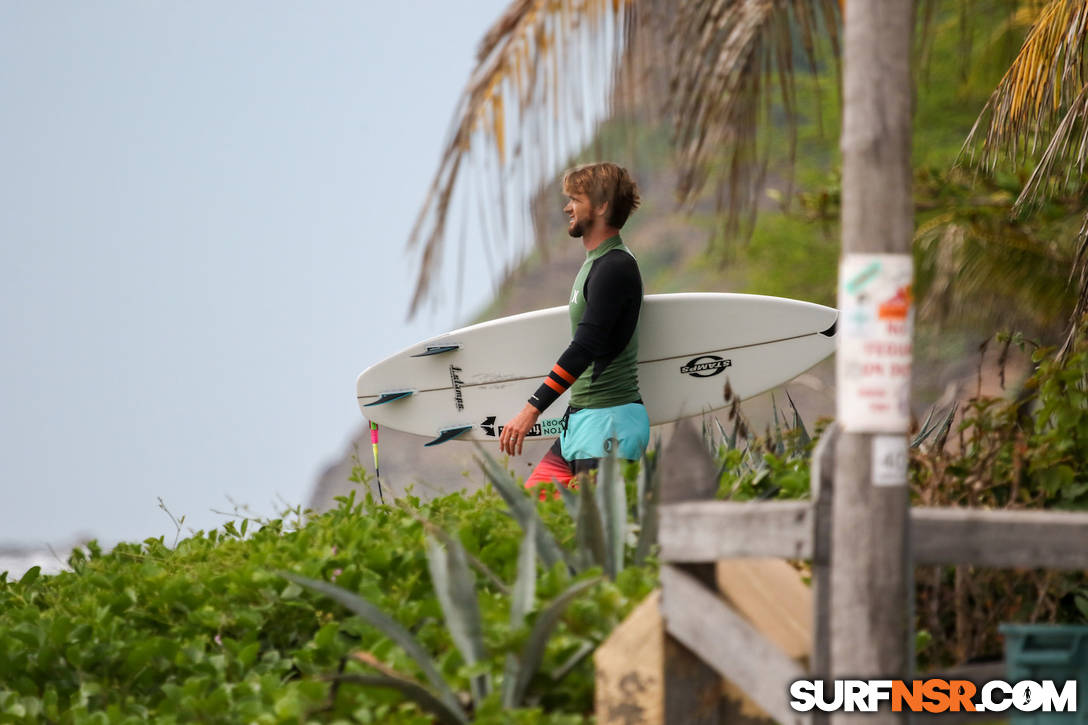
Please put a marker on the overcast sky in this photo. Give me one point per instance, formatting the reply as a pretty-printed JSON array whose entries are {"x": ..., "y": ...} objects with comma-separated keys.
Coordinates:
[{"x": 204, "y": 211}]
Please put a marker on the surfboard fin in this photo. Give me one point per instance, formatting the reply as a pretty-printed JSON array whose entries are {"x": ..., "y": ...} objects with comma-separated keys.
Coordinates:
[
  {"x": 390, "y": 397},
  {"x": 447, "y": 434},
  {"x": 437, "y": 350}
]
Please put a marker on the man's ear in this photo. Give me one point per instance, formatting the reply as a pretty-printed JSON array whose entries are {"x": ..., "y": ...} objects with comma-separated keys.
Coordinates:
[{"x": 602, "y": 210}]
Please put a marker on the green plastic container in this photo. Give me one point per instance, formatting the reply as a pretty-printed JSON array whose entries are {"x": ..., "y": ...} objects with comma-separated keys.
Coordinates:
[{"x": 1056, "y": 652}]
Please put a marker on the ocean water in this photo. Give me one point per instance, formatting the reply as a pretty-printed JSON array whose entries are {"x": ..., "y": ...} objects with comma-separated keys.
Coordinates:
[{"x": 17, "y": 561}]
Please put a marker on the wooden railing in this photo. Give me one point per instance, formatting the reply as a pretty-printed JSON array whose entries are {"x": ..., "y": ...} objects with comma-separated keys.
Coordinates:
[{"x": 707, "y": 640}]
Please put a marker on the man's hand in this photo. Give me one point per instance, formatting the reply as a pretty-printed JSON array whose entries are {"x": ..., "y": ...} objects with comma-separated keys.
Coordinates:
[{"x": 513, "y": 433}]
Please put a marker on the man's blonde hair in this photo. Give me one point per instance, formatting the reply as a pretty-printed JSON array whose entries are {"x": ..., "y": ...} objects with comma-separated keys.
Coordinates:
[{"x": 605, "y": 182}]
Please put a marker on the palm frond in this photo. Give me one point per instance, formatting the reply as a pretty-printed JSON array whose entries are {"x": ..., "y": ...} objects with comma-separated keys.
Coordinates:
[
  {"x": 723, "y": 53},
  {"x": 528, "y": 105},
  {"x": 976, "y": 265},
  {"x": 1068, "y": 146},
  {"x": 1079, "y": 277},
  {"x": 1040, "y": 102},
  {"x": 538, "y": 91}
]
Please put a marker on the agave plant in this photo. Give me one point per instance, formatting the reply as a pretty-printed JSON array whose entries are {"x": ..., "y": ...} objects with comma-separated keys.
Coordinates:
[
  {"x": 455, "y": 587},
  {"x": 935, "y": 428},
  {"x": 748, "y": 464},
  {"x": 598, "y": 508},
  {"x": 647, "y": 489}
]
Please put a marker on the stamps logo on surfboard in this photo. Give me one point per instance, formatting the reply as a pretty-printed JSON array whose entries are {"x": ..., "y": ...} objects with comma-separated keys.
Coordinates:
[{"x": 705, "y": 366}]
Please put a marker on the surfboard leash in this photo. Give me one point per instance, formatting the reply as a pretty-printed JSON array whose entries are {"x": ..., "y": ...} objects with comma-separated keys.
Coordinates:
[{"x": 374, "y": 445}]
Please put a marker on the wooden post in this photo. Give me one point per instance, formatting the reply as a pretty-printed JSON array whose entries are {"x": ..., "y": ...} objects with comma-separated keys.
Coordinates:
[
  {"x": 692, "y": 687},
  {"x": 869, "y": 612},
  {"x": 822, "y": 487}
]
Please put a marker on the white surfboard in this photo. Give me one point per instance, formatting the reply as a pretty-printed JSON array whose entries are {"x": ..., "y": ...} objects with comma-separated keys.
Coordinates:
[{"x": 466, "y": 384}]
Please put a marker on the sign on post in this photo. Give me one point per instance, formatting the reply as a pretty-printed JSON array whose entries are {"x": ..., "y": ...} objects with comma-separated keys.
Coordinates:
[{"x": 876, "y": 315}]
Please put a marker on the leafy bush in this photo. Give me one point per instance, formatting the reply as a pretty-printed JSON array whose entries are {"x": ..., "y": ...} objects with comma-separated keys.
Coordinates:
[
  {"x": 209, "y": 631},
  {"x": 1027, "y": 452}
]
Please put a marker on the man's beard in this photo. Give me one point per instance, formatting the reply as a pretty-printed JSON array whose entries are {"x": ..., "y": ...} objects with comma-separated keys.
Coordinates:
[{"x": 577, "y": 230}]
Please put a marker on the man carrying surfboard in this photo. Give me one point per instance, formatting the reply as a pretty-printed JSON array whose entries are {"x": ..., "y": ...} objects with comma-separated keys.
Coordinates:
[{"x": 600, "y": 365}]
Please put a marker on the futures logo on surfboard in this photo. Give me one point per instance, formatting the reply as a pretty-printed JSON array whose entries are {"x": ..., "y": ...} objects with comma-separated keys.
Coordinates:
[
  {"x": 548, "y": 426},
  {"x": 706, "y": 366}
]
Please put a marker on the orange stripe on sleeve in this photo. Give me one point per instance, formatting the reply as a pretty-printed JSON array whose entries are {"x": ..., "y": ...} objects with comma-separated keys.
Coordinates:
[
  {"x": 554, "y": 386},
  {"x": 563, "y": 374}
]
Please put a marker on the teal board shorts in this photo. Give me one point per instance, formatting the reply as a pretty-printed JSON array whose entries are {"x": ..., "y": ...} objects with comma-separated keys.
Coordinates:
[
  {"x": 590, "y": 432},
  {"x": 588, "y": 436}
]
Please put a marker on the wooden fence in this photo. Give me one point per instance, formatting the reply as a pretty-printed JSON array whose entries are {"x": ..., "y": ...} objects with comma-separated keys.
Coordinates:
[{"x": 707, "y": 640}]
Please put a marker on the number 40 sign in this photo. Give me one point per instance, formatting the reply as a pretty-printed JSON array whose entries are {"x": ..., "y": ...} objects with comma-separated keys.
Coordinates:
[{"x": 889, "y": 460}]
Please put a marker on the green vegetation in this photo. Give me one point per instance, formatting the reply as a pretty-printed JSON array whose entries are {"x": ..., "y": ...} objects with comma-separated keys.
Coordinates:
[
  {"x": 1027, "y": 452},
  {"x": 485, "y": 607},
  {"x": 236, "y": 625},
  {"x": 209, "y": 631}
]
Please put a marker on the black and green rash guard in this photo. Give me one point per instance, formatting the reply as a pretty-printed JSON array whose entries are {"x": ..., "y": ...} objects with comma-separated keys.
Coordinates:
[{"x": 604, "y": 308}]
